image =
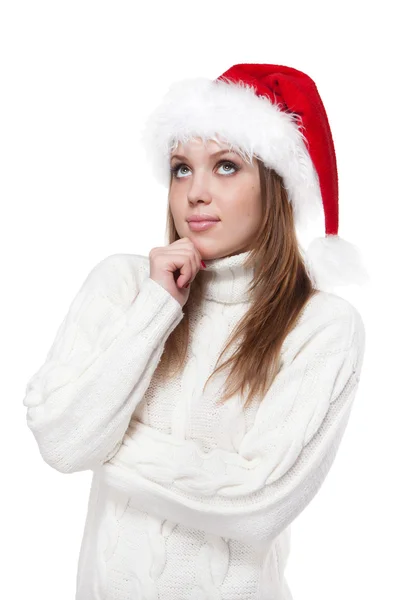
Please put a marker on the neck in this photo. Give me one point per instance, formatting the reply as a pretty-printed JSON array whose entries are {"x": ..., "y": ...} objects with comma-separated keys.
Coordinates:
[{"x": 227, "y": 279}]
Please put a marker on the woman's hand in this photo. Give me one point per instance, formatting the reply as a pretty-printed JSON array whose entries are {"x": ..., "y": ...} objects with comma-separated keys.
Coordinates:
[{"x": 175, "y": 266}]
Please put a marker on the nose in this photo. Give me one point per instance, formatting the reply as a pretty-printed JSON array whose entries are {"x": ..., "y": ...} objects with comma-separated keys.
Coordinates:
[{"x": 199, "y": 188}]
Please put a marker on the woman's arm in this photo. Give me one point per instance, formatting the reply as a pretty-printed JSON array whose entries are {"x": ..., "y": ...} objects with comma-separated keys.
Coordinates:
[
  {"x": 255, "y": 493},
  {"x": 79, "y": 403}
]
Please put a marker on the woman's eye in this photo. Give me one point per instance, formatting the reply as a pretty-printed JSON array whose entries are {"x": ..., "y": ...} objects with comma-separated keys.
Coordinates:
[
  {"x": 175, "y": 170},
  {"x": 230, "y": 165},
  {"x": 178, "y": 168}
]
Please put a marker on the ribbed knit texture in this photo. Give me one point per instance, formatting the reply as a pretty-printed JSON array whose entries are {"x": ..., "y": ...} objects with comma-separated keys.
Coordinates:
[{"x": 189, "y": 500}]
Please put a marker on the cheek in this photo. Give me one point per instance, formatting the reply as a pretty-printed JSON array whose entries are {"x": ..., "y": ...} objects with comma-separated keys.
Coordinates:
[
  {"x": 244, "y": 201},
  {"x": 174, "y": 202}
]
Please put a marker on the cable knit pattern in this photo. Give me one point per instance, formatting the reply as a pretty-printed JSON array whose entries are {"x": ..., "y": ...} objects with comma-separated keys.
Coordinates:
[
  {"x": 189, "y": 499},
  {"x": 108, "y": 536},
  {"x": 212, "y": 567}
]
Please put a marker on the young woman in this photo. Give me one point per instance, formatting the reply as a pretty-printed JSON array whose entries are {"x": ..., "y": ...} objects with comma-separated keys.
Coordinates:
[{"x": 201, "y": 465}]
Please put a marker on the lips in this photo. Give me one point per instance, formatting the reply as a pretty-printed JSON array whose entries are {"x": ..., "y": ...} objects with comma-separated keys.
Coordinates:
[
  {"x": 202, "y": 225},
  {"x": 201, "y": 218}
]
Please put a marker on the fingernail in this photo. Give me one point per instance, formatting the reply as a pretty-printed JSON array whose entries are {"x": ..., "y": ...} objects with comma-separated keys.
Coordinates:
[{"x": 204, "y": 264}]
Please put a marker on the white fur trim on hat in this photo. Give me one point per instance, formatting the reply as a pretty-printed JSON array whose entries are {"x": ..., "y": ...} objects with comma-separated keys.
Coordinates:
[{"x": 251, "y": 124}]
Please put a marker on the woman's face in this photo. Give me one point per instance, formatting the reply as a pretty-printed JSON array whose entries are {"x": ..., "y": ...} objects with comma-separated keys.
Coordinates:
[{"x": 222, "y": 185}]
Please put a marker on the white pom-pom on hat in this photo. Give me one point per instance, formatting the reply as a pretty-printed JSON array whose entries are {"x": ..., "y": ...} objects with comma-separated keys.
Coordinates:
[{"x": 333, "y": 261}]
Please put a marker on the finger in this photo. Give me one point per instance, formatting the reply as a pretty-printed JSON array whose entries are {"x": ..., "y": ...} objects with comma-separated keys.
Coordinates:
[
  {"x": 186, "y": 269},
  {"x": 190, "y": 266}
]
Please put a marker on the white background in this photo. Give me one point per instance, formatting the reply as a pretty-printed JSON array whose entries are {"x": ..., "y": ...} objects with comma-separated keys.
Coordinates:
[{"x": 77, "y": 81}]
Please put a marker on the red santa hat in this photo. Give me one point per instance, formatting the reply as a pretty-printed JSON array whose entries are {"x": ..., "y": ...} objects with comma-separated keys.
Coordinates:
[{"x": 276, "y": 113}]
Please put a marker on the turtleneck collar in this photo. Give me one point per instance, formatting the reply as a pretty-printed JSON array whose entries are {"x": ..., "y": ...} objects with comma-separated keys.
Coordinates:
[{"x": 227, "y": 280}]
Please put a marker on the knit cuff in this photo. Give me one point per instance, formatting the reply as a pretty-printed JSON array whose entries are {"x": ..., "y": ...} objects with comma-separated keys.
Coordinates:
[{"x": 152, "y": 308}]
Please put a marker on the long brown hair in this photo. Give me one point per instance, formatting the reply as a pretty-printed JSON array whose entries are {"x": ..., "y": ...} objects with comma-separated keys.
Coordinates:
[{"x": 280, "y": 289}]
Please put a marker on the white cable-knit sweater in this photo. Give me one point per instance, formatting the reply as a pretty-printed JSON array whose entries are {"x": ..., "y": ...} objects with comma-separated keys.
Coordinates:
[{"x": 189, "y": 500}]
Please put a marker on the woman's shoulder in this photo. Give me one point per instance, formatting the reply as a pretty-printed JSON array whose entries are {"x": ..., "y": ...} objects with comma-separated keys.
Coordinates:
[
  {"x": 329, "y": 322},
  {"x": 118, "y": 276},
  {"x": 123, "y": 264},
  {"x": 327, "y": 306}
]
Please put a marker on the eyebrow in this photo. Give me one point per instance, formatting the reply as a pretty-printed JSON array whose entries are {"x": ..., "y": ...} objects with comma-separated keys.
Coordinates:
[{"x": 215, "y": 154}]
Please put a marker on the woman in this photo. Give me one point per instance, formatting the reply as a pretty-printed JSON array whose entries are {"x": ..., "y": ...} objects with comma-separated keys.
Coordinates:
[{"x": 193, "y": 490}]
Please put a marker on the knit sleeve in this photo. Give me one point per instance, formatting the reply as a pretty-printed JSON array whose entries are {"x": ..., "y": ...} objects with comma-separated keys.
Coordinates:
[
  {"x": 80, "y": 401},
  {"x": 255, "y": 493}
]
